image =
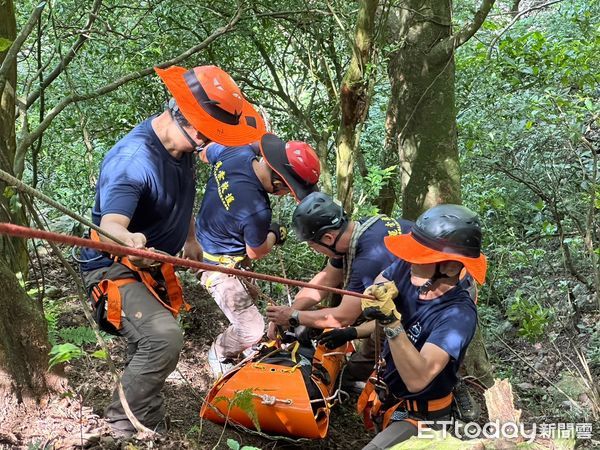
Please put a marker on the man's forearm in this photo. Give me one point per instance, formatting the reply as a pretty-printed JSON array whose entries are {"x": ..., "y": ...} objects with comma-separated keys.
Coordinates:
[
  {"x": 412, "y": 367},
  {"x": 366, "y": 329},
  {"x": 307, "y": 299},
  {"x": 191, "y": 234},
  {"x": 324, "y": 318}
]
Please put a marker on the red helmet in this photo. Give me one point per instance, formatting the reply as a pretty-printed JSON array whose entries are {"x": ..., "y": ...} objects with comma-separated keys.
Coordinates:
[
  {"x": 304, "y": 161},
  {"x": 296, "y": 163}
]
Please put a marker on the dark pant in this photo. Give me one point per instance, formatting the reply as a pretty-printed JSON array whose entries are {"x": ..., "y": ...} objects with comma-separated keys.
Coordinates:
[
  {"x": 362, "y": 362},
  {"x": 154, "y": 341},
  {"x": 395, "y": 433}
]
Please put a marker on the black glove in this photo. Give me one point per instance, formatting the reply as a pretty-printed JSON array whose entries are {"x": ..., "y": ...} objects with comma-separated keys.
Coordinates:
[
  {"x": 279, "y": 231},
  {"x": 338, "y": 337}
]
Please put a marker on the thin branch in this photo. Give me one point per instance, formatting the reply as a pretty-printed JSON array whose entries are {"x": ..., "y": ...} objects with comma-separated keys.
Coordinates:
[
  {"x": 11, "y": 54},
  {"x": 469, "y": 31},
  {"x": 281, "y": 91},
  {"x": 515, "y": 19},
  {"x": 83, "y": 37},
  {"x": 452, "y": 42},
  {"x": 30, "y": 138}
]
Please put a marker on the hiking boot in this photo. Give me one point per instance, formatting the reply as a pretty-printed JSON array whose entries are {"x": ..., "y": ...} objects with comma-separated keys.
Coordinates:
[
  {"x": 122, "y": 429},
  {"x": 219, "y": 365},
  {"x": 467, "y": 409}
]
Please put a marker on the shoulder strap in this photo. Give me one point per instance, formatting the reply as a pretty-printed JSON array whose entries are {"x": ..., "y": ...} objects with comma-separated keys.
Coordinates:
[{"x": 359, "y": 229}]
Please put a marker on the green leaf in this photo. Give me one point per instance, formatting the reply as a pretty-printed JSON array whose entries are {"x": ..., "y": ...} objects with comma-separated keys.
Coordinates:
[
  {"x": 233, "y": 444},
  {"x": 100, "y": 354},
  {"x": 5, "y": 44},
  {"x": 63, "y": 353}
]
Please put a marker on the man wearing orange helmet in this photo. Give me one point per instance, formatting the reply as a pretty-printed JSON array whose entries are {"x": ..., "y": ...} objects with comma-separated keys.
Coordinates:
[
  {"x": 234, "y": 226},
  {"x": 145, "y": 197}
]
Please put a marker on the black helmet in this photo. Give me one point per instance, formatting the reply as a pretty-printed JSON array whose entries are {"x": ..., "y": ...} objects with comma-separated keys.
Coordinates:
[
  {"x": 450, "y": 229},
  {"x": 317, "y": 214}
]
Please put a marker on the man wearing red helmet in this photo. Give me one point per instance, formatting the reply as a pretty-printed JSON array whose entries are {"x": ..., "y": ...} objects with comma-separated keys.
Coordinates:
[
  {"x": 234, "y": 226},
  {"x": 145, "y": 198}
]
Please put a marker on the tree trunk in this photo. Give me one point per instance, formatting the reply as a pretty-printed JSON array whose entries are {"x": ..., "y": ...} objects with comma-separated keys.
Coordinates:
[
  {"x": 422, "y": 122},
  {"x": 12, "y": 251},
  {"x": 354, "y": 100},
  {"x": 24, "y": 344},
  {"x": 322, "y": 149},
  {"x": 421, "y": 117}
]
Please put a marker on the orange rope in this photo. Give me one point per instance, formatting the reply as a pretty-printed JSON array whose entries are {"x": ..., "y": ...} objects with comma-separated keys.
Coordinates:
[{"x": 115, "y": 249}]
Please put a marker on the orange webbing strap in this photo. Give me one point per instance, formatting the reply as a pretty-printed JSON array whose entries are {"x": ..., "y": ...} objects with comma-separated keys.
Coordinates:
[
  {"x": 387, "y": 416},
  {"x": 111, "y": 289},
  {"x": 174, "y": 290},
  {"x": 368, "y": 403},
  {"x": 429, "y": 406}
]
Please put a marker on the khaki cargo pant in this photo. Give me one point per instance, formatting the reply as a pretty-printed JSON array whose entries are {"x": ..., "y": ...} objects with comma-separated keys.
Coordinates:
[
  {"x": 154, "y": 341},
  {"x": 247, "y": 325}
]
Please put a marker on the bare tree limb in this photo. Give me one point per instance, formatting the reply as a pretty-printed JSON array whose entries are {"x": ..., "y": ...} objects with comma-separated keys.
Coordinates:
[
  {"x": 83, "y": 37},
  {"x": 467, "y": 32},
  {"x": 515, "y": 19},
  {"x": 11, "y": 54},
  {"x": 452, "y": 42},
  {"x": 31, "y": 137},
  {"x": 282, "y": 93}
]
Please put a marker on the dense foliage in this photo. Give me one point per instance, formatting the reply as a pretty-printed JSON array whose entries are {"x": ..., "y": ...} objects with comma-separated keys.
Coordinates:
[{"x": 528, "y": 102}]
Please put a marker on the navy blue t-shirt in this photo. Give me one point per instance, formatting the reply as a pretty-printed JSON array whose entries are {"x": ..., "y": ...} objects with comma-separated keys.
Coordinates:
[
  {"x": 448, "y": 321},
  {"x": 140, "y": 179},
  {"x": 235, "y": 210},
  {"x": 372, "y": 256}
]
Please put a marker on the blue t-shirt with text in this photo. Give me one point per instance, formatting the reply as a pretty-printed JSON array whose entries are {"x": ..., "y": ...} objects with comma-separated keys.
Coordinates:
[
  {"x": 141, "y": 180},
  {"x": 448, "y": 321},
  {"x": 235, "y": 210},
  {"x": 371, "y": 256}
]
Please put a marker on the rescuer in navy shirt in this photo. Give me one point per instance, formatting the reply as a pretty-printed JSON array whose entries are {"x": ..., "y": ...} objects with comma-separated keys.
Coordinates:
[
  {"x": 428, "y": 319},
  {"x": 144, "y": 198},
  {"x": 234, "y": 226},
  {"x": 357, "y": 256}
]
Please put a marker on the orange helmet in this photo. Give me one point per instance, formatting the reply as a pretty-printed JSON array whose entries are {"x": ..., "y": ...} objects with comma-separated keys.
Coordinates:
[{"x": 213, "y": 104}]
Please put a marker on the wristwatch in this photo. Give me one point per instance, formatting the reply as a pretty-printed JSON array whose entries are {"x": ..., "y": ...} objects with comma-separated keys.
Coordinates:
[
  {"x": 294, "y": 319},
  {"x": 391, "y": 333}
]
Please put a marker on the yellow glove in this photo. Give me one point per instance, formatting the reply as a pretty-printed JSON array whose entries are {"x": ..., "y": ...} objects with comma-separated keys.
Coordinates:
[{"x": 382, "y": 308}]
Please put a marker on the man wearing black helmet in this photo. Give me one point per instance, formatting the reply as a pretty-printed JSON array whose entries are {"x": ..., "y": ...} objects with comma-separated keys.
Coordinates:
[
  {"x": 357, "y": 255},
  {"x": 428, "y": 319}
]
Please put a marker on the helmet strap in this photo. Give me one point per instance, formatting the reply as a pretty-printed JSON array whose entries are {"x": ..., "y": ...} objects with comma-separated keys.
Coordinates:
[
  {"x": 333, "y": 246},
  {"x": 194, "y": 144},
  {"x": 425, "y": 288}
]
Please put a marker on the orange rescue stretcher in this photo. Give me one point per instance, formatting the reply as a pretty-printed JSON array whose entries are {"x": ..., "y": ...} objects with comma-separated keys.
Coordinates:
[{"x": 293, "y": 391}]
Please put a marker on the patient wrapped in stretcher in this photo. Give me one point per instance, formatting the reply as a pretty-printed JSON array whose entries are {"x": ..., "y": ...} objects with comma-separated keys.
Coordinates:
[{"x": 293, "y": 387}]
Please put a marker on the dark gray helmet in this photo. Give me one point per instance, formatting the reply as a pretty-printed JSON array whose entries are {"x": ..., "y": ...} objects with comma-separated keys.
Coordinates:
[
  {"x": 317, "y": 214},
  {"x": 450, "y": 229}
]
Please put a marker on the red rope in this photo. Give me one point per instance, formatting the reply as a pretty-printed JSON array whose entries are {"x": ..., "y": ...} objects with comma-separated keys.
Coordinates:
[{"x": 115, "y": 249}]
